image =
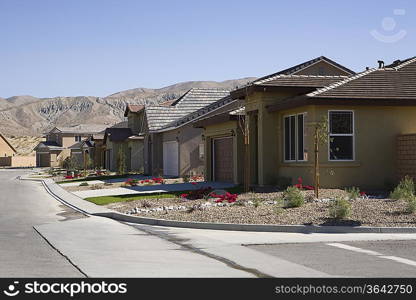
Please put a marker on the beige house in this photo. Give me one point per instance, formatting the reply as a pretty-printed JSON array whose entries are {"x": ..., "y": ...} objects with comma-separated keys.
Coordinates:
[
  {"x": 10, "y": 158},
  {"x": 173, "y": 146},
  {"x": 365, "y": 114},
  {"x": 56, "y": 148},
  {"x": 121, "y": 144}
]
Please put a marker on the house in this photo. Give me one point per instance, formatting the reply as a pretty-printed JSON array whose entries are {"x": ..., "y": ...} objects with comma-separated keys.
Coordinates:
[
  {"x": 56, "y": 147},
  {"x": 10, "y": 158},
  {"x": 365, "y": 114},
  {"x": 92, "y": 146},
  {"x": 6, "y": 149},
  {"x": 250, "y": 136},
  {"x": 173, "y": 146},
  {"x": 121, "y": 143}
]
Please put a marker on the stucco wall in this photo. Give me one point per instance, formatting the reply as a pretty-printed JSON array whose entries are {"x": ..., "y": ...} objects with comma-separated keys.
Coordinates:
[
  {"x": 137, "y": 158},
  {"x": 5, "y": 149}
]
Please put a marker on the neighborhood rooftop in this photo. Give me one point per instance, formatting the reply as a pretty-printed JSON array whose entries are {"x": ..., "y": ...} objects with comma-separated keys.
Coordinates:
[
  {"x": 82, "y": 128},
  {"x": 160, "y": 117}
]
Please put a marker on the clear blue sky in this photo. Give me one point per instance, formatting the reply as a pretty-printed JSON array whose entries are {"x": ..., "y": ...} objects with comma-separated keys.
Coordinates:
[{"x": 98, "y": 47}]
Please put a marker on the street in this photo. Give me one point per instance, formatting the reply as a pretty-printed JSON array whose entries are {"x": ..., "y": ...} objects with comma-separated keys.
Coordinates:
[{"x": 39, "y": 237}]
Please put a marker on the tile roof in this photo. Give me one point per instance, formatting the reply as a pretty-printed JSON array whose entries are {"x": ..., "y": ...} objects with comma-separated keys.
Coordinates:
[
  {"x": 117, "y": 134},
  {"x": 133, "y": 108},
  {"x": 82, "y": 128},
  {"x": 8, "y": 143},
  {"x": 315, "y": 81},
  {"x": 293, "y": 70},
  {"x": 159, "y": 117},
  {"x": 51, "y": 145},
  {"x": 396, "y": 81}
]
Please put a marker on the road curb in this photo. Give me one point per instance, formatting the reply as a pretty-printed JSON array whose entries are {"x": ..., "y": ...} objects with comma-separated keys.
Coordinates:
[{"x": 221, "y": 226}]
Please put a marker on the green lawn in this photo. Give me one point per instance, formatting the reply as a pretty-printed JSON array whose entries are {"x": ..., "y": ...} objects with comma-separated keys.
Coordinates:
[{"x": 123, "y": 198}]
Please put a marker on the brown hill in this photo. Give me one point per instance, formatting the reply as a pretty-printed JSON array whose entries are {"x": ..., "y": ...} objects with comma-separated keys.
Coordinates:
[{"x": 27, "y": 115}]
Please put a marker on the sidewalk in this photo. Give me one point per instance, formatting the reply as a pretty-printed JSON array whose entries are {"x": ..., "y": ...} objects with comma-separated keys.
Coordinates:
[
  {"x": 101, "y": 247},
  {"x": 159, "y": 188}
]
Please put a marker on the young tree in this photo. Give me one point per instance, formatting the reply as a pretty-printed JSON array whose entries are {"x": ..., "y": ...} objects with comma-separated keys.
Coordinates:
[
  {"x": 121, "y": 161},
  {"x": 320, "y": 137}
]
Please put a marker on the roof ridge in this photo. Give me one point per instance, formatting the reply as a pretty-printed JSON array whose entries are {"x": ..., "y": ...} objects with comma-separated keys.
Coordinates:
[
  {"x": 408, "y": 62},
  {"x": 339, "y": 83}
]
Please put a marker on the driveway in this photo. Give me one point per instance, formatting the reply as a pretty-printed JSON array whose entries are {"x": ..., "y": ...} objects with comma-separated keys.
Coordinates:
[{"x": 158, "y": 188}]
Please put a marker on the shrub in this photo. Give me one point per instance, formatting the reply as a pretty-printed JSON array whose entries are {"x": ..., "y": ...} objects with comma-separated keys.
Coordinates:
[
  {"x": 340, "y": 208},
  {"x": 186, "y": 178},
  {"x": 146, "y": 204},
  {"x": 293, "y": 197},
  {"x": 230, "y": 198},
  {"x": 131, "y": 182},
  {"x": 353, "y": 193},
  {"x": 411, "y": 205},
  {"x": 256, "y": 202},
  {"x": 405, "y": 189},
  {"x": 201, "y": 193},
  {"x": 84, "y": 184}
]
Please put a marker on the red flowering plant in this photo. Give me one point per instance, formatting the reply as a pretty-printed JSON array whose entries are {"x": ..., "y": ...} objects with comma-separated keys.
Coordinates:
[
  {"x": 158, "y": 180},
  {"x": 69, "y": 177},
  {"x": 201, "y": 193},
  {"x": 131, "y": 182},
  {"x": 300, "y": 185},
  {"x": 230, "y": 198},
  {"x": 197, "y": 178}
]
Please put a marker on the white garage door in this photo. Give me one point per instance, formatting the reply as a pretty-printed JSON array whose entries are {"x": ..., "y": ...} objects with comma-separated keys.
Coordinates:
[{"x": 170, "y": 159}]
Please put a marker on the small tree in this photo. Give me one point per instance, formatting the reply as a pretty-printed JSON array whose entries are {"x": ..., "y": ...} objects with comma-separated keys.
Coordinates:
[
  {"x": 121, "y": 161},
  {"x": 320, "y": 137}
]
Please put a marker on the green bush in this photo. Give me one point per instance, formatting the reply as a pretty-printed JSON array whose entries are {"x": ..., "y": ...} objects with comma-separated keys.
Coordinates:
[
  {"x": 411, "y": 205},
  {"x": 405, "y": 189},
  {"x": 84, "y": 184},
  {"x": 340, "y": 208},
  {"x": 293, "y": 197},
  {"x": 353, "y": 193}
]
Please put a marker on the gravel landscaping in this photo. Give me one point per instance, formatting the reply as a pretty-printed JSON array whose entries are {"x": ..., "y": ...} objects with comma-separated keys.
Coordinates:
[{"x": 262, "y": 208}]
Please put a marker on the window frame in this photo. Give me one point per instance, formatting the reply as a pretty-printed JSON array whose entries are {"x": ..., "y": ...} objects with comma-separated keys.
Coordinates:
[
  {"x": 296, "y": 137},
  {"x": 341, "y": 134}
]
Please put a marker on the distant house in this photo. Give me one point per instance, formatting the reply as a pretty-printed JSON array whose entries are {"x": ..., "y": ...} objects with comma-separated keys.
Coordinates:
[
  {"x": 93, "y": 147},
  {"x": 56, "y": 148},
  {"x": 6, "y": 149},
  {"x": 10, "y": 158},
  {"x": 120, "y": 140}
]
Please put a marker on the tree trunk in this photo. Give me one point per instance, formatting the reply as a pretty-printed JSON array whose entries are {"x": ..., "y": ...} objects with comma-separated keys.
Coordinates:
[{"x": 316, "y": 166}]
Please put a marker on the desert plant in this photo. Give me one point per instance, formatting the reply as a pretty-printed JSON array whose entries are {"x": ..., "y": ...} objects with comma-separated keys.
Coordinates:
[
  {"x": 186, "y": 178},
  {"x": 84, "y": 184},
  {"x": 293, "y": 197},
  {"x": 411, "y": 205},
  {"x": 353, "y": 193},
  {"x": 404, "y": 190},
  {"x": 340, "y": 208},
  {"x": 69, "y": 163},
  {"x": 256, "y": 202},
  {"x": 320, "y": 137},
  {"x": 145, "y": 204},
  {"x": 96, "y": 187}
]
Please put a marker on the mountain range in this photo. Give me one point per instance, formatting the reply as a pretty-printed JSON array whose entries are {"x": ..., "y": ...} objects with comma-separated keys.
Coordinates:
[{"x": 31, "y": 116}]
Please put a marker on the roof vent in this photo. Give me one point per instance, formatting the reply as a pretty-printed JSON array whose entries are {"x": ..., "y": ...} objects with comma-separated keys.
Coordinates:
[{"x": 380, "y": 64}]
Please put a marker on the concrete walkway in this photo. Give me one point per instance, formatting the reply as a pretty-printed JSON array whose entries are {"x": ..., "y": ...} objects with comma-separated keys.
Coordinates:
[
  {"x": 113, "y": 180},
  {"x": 159, "y": 188},
  {"x": 101, "y": 247}
]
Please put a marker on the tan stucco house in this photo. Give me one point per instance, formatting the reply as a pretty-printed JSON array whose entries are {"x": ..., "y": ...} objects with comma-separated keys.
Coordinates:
[
  {"x": 6, "y": 149},
  {"x": 120, "y": 140},
  {"x": 56, "y": 148},
  {"x": 173, "y": 146},
  {"x": 9, "y": 156},
  {"x": 366, "y": 112}
]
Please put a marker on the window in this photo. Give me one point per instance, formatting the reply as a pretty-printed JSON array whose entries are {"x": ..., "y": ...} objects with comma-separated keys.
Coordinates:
[
  {"x": 341, "y": 134},
  {"x": 201, "y": 150},
  {"x": 78, "y": 138},
  {"x": 294, "y": 136}
]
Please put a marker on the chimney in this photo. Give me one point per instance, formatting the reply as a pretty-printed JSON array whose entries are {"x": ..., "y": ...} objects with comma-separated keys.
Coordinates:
[
  {"x": 380, "y": 64},
  {"x": 367, "y": 68}
]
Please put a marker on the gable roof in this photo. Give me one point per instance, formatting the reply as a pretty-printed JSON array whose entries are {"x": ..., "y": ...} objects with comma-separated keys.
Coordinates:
[
  {"x": 290, "y": 80},
  {"x": 81, "y": 129},
  {"x": 162, "y": 117},
  {"x": 8, "y": 143},
  {"x": 396, "y": 81},
  {"x": 133, "y": 108},
  {"x": 117, "y": 134},
  {"x": 394, "y": 84},
  {"x": 49, "y": 145}
]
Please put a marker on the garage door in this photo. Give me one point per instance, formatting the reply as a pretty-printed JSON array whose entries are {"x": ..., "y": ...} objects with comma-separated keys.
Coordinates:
[
  {"x": 43, "y": 160},
  {"x": 223, "y": 159},
  {"x": 170, "y": 159}
]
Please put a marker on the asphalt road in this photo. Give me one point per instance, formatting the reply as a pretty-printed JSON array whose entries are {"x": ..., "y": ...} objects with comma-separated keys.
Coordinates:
[
  {"x": 23, "y": 252},
  {"x": 350, "y": 259}
]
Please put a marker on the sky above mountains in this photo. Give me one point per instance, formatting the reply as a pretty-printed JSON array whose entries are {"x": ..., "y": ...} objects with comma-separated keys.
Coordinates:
[{"x": 67, "y": 48}]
